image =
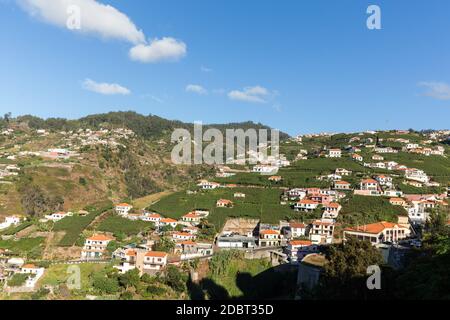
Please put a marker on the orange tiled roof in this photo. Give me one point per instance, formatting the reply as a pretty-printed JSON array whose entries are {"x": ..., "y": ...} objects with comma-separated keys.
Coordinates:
[
  {"x": 307, "y": 201},
  {"x": 123, "y": 205},
  {"x": 269, "y": 232},
  {"x": 300, "y": 242},
  {"x": 369, "y": 181},
  {"x": 168, "y": 220},
  {"x": 297, "y": 225},
  {"x": 29, "y": 266},
  {"x": 100, "y": 237},
  {"x": 157, "y": 254},
  {"x": 341, "y": 182},
  {"x": 374, "y": 228}
]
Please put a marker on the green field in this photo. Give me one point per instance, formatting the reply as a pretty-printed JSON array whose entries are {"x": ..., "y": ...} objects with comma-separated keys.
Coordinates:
[
  {"x": 30, "y": 247},
  {"x": 259, "y": 203},
  {"x": 58, "y": 274},
  {"x": 74, "y": 226},
  {"x": 14, "y": 229},
  {"x": 365, "y": 209},
  {"x": 116, "y": 225}
]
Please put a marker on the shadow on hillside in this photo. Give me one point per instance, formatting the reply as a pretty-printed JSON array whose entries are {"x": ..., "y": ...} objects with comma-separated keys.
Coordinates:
[{"x": 274, "y": 283}]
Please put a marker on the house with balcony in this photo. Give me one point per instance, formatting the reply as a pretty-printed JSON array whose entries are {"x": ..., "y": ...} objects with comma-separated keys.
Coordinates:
[
  {"x": 95, "y": 247},
  {"x": 306, "y": 205},
  {"x": 296, "y": 250},
  {"x": 270, "y": 238},
  {"x": 154, "y": 261},
  {"x": 122, "y": 209},
  {"x": 322, "y": 231},
  {"x": 377, "y": 233}
]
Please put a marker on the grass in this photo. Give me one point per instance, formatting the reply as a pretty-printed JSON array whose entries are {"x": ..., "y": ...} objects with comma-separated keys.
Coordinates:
[
  {"x": 14, "y": 229},
  {"x": 25, "y": 246},
  {"x": 58, "y": 274},
  {"x": 366, "y": 209},
  {"x": 259, "y": 203},
  {"x": 117, "y": 225},
  {"x": 74, "y": 226},
  {"x": 144, "y": 202}
]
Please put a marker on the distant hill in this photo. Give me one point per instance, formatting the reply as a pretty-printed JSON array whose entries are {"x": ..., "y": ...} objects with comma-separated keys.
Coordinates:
[{"x": 150, "y": 126}]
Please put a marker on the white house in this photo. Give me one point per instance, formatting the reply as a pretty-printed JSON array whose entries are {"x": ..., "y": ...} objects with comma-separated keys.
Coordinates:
[
  {"x": 342, "y": 172},
  {"x": 322, "y": 231},
  {"x": 331, "y": 210},
  {"x": 192, "y": 218},
  {"x": 206, "y": 185},
  {"x": 341, "y": 185},
  {"x": 416, "y": 175},
  {"x": 296, "y": 250},
  {"x": 168, "y": 222},
  {"x": 297, "y": 229},
  {"x": 269, "y": 238},
  {"x": 151, "y": 217},
  {"x": 334, "y": 153},
  {"x": 58, "y": 215},
  {"x": 384, "y": 180},
  {"x": 378, "y": 232},
  {"x": 265, "y": 169},
  {"x": 123, "y": 208},
  {"x": 35, "y": 273},
  {"x": 10, "y": 221},
  {"x": 95, "y": 246},
  {"x": 369, "y": 184},
  {"x": 183, "y": 236},
  {"x": 154, "y": 261},
  {"x": 306, "y": 205}
]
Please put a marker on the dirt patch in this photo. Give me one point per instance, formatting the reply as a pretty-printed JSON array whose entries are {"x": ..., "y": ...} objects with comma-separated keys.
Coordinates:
[{"x": 26, "y": 232}]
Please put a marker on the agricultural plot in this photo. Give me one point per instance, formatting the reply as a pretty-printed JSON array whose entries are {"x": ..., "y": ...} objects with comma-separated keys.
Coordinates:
[
  {"x": 364, "y": 210},
  {"x": 260, "y": 203},
  {"x": 29, "y": 247},
  {"x": 74, "y": 226},
  {"x": 118, "y": 225}
]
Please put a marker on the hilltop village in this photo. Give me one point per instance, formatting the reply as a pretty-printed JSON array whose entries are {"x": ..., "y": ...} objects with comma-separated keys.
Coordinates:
[{"x": 67, "y": 200}]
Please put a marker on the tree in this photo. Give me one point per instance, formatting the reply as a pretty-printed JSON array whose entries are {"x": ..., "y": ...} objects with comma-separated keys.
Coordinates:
[
  {"x": 174, "y": 279},
  {"x": 105, "y": 284},
  {"x": 130, "y": 279},
  {"x": 345, "y": 274},
  {"x": 165, "y": 245},
  {"x": 7, "y": 117}
]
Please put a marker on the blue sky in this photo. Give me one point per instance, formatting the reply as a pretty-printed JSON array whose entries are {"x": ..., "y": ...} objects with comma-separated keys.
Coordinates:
[{"x": 299, "y": 66}]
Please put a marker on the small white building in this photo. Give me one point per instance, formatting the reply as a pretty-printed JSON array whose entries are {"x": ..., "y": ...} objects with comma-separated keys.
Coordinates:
[
  {"x": 334, "y": 153},
  {"x": 154, "y": 261},
  {"x": 10, "y": 221},
  {"x": 123, "y": 208},
  {"x": 95, "y": 246},
  {"x": 58, "y": 215}
]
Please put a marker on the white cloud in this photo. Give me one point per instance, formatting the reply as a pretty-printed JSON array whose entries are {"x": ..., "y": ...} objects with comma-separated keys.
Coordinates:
[
  {"x": 436, "y": 90},
  {"x": 205, "y": 69},
  {"x": 165, "y": 49},
  {"x": 256, "y": 94},
  {"x": 96, "y": 18},
  {"x": 195, "y": 88},
  {"x": 105, "y": 88},
  {"x": 107, "y": 22}
]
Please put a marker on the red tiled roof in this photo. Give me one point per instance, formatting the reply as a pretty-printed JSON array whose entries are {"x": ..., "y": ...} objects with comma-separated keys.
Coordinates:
[
  {"x": 100, "y": 237},
  {"x": 157, "y": 254},
  {"x": 300, "y": 242},
  {"x": 374, "y": 228}
]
